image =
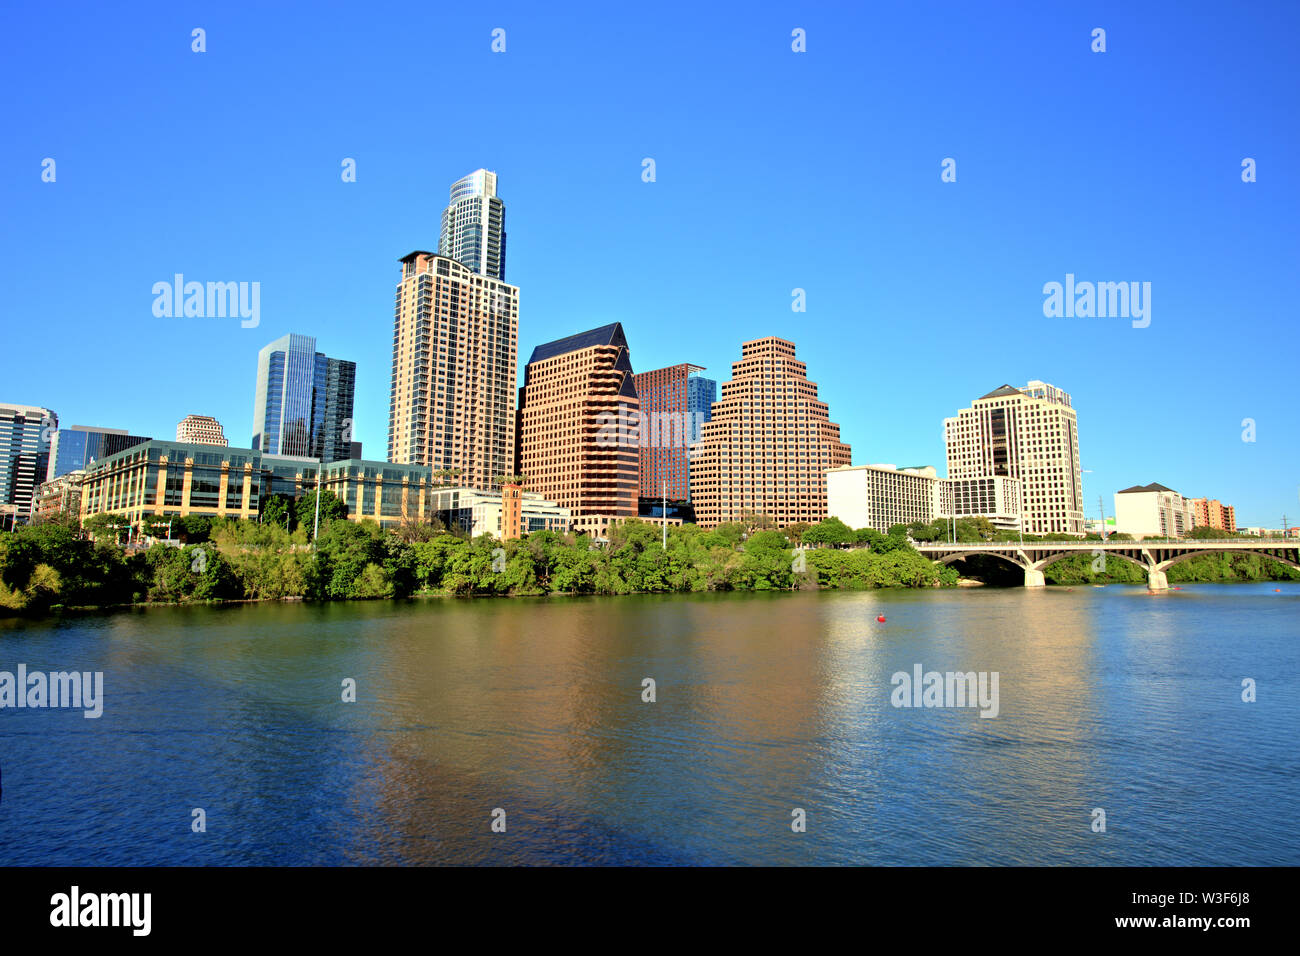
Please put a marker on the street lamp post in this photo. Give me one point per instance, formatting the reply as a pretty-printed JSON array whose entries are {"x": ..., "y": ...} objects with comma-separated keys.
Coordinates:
[{"x": 316, "y": 525}]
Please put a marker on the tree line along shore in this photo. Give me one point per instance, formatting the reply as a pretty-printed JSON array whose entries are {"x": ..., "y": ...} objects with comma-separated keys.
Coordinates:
[{"x": 60, "y": 564}]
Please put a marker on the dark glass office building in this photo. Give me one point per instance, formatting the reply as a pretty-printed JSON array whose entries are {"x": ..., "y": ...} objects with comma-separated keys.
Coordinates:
[{"x": 74, "y": 448}]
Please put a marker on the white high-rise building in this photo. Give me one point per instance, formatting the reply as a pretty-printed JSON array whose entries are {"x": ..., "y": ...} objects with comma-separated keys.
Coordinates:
[
  {"x": 881, "y": 496},
  {"x": 1031, "y": 434},
  {"x": 992, "y": 497},
  {"x": 474, "y": 225},
  {"x": 1154, "y": 511}
]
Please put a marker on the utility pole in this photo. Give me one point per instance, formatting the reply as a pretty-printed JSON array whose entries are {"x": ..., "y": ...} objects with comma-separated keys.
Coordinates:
[
  {"x": 316, "y": 526},
  {"x": 1101, "y": 504}
]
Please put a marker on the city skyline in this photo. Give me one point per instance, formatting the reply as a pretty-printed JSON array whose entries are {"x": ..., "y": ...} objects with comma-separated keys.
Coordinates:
[
  {"x": 477, "y": 476},
  {"x": 919, "y": 293}
]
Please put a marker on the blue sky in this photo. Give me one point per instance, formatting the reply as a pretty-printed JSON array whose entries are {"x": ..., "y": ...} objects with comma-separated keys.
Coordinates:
[{"x": 775, "y": 170}]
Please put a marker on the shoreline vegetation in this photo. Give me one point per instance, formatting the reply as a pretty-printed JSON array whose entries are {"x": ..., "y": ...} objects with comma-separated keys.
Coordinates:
[{"x": 57, "y": 565}]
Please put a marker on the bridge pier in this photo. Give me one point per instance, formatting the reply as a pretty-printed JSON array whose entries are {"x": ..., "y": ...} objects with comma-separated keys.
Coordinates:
[
  {"x": 1157, "y": 580},
  {"x": 1034, "y": 579}
]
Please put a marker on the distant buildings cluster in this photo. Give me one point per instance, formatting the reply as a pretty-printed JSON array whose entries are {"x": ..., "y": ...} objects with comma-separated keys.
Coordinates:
[
  {"x": 1156, "y": 511},
  {"x": 585, "y": 442}
]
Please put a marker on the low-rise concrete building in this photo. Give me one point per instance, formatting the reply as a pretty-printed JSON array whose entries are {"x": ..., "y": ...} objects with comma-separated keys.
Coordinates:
[
  {"x": 173, "y": 478},
  {"x": 386, "y": 493},
  {"x": 1212, "y": 513},
  {"x": 61, "y": 495},
  {"x": 476, "y": 512}
]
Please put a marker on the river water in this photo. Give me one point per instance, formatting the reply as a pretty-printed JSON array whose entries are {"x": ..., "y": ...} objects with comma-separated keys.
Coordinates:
[{"x": 1109, "y": 699}]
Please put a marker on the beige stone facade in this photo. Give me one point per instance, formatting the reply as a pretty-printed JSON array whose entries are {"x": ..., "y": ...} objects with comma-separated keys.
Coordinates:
[
  {"x": 158, "y": 478},
  {"x": 200, "y": 430},
  {"x": 1029, "y": 433},
  {"x": 455, "y": 349},
  {"x": 769, "y": 444}
]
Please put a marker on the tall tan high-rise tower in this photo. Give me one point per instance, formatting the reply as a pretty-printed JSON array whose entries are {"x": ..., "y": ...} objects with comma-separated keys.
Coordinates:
[
  {"x": 769, "y": 443},
  {"x": 455, "y": 347},
  {"x": 578, "y": 437},
  {"x": 1029, "y": 433}
]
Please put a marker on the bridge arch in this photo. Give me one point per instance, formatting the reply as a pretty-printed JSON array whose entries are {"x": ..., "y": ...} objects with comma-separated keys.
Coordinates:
[
  {"x": 1062, "y": 555},
  {"x": 962, "y": 555},
  {"x": 1180, "y": 558}
]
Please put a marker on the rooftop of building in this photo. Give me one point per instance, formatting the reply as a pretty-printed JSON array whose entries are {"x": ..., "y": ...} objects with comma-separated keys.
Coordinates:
[
  {"x": 418, "y": 253},
  {"x": 611, "y": 334},
  {"x": 1004, "y": 391},
  {"x": 925, "y": 471},
  {"x": 97, "y": 430},
  {"x": 1143, "y": 489},
  {"x": 17, "y": 407},
  {"x": 690, "y": 369},
  {"x": 753, "y": 344}
]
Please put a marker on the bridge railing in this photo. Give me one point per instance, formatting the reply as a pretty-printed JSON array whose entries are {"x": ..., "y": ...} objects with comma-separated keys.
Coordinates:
[{"x": 1087, "y": 545}]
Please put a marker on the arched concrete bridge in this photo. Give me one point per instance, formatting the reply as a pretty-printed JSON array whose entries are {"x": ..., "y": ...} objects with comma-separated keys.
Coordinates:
[{"x": 1154, "y": 557}]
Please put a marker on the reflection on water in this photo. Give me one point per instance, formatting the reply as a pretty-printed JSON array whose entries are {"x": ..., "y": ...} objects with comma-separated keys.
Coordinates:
[{"x": 1110, "y": 698}]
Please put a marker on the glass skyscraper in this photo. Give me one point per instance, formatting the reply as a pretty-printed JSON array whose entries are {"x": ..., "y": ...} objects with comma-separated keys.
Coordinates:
[
  {"x": 303, "y": 403},
  {"x": 76, "y": 447},
  {"x": 701, "y": 393},
  {"x": 474, "y": 225}
]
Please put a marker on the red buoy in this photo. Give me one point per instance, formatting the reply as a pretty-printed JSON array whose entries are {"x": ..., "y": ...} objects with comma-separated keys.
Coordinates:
[
  {"x": 880, "y": 618},
  {"x": 1276, "y": 590}
]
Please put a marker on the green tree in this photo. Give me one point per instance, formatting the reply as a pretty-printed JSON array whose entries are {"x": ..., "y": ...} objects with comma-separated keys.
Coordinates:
[
  {"x": 1205, "y": 532},
  {"x": 332, "y": 508},
  {"x": 278, "y": 510},
  {"x": 106, "y": 528},
  {"x": 795, "y": 532},
  {"x": 830, "y": 531}
]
